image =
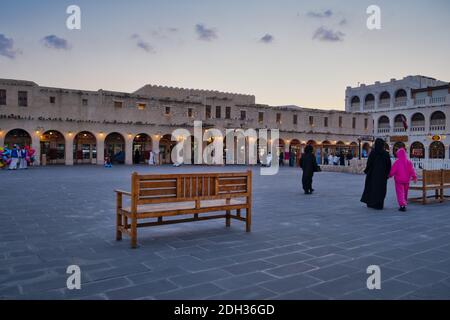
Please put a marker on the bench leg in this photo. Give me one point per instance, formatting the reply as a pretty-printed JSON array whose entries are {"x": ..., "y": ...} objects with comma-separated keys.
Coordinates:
[
  {"x": 118, "y": 225},
  {"x": 424, "y": 196},
  {"x": 228, "y": 219},
  {"x": 118, "y": 217},
  {"x": 133, "y": 233},
  {"x": 248, "y": 219}
]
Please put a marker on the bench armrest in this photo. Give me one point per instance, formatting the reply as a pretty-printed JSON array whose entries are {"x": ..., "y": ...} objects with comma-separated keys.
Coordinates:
[{"x": 123, "y": 192}]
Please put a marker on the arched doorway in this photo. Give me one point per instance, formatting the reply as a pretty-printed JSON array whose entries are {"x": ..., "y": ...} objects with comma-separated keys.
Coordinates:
[
  {"x": 437, "y": 150},
  {"x": 295, "y": 150},
  {"x": 85, "y": 148},
  {"x": 397, "y": 146},
  {"x": 115, "y": 148},
  {"x": 19, "y": 137},
  {"x": 280, "y": 151},
  {"x": 365, "y": 150},
  {"x": 353, "y": 150},
  {"x": 417, "y": 150},
  {"x": 142, "y": 146},
  {"x": 53, "y": 147},
  {"x": 165, "y": 149}
]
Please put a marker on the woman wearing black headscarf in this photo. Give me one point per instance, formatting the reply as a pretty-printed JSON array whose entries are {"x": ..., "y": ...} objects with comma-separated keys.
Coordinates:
[
  {"x": 309, "y": 166},
  {"x": 377, "y": 175}
]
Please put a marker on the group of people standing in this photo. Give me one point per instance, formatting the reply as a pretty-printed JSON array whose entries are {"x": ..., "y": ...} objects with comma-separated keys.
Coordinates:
[
  {"x": 19, "y": 158},
  {"x": 378, "y": 171},
  {"x": 337, "y": 160}
]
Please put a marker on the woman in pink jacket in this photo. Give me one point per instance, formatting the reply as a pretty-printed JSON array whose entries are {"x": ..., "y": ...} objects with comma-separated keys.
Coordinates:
[{"x": 403, "y": 172}]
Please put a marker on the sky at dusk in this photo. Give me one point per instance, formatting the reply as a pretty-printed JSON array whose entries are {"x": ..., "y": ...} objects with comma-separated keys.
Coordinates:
[{"x": 284, "y": 52}]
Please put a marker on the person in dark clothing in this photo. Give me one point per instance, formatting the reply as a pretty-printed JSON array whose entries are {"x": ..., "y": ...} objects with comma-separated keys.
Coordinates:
[
  {"x": 342, "y": 159},
  {"x": 349, "y": 158},
  {"x": 137, "y": 156},
  {"x": 309, "y": 166},
  {"x": 281, "y": 158},
  {"x": 377, "y": 175}
]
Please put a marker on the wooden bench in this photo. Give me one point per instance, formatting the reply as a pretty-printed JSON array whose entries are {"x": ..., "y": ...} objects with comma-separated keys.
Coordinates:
[
  {"x": 431, "y": 180},
  {"x": 171, "y": 195}
]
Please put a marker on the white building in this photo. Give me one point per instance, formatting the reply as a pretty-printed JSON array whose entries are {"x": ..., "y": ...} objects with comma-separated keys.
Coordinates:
[{"x": 412, "y": 112}]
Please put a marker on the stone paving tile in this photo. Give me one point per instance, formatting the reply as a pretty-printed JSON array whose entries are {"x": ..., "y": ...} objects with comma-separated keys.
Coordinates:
[
  {"x": 243, "y": 280},
  {"x": 293, "y": 238},
  {"x": 191, "y": 293},
  {"x": 248, "y": 267},
  {"x": 249, "y": 293},
  {"x": 141, "y": 291},
  {"x": 423, "y": 277},
  {"x": 302, "y": 294},
  {"x": 290, "y": 269},
  {"x": 290, "y": 283},
  {"x": 191, "y": 279}
]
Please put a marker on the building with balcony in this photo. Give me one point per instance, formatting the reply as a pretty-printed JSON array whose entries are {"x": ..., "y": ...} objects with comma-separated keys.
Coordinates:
[
  {"x": 69, "y": 126},
  {"x": 412, "y": 113}
]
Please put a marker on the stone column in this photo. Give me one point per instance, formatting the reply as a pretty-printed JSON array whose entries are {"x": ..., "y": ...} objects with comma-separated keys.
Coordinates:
[
  {"x": 129, "y": 150},
  {"x": 155, "y": 147},
  {"x": 36, "y": 145},
  {"x": 2, "y": 138},
  {"x": 69, "y": 149},
  {"x": 100, "y": 148}
]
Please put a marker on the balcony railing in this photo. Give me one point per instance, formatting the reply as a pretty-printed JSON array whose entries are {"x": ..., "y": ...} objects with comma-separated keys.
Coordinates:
[
  {"x": 417, "y": 128},
  {"x": 399, "y": 129},
  {"x": 437, "y": 100},
  {"x": 369, "y": 106},
  {"x": 419, "y": 101},
  {"x": 384, "y": 130},
  {"x": 437, "y": 127},
  {"x": 384, "y": 104},
  {"x": 400, "y": 102},
  {"x": 355, "y": 106}
]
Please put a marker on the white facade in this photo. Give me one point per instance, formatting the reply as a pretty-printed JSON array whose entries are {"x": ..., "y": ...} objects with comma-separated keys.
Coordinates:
[{"x": 412, "y": 112}]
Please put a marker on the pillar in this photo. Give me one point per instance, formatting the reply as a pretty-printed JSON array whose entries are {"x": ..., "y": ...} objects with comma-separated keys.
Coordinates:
[
  {"x": 100, "y": 148},
  {"x": 69, "y": 149},
  {"x": 2, "y": 138},
  {"x": 129, "y": 149},
  {"x": 155, "y": 148},
  {"x": 36, "y": 145}
]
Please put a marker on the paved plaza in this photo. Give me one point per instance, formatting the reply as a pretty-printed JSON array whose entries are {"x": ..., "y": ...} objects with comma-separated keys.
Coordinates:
[{"x": 301, "y": 247}]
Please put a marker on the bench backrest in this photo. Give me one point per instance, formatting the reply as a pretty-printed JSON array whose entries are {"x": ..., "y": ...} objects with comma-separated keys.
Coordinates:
[
  {"x": 446, "y": 176},
  {"x": 148, "y": 189},
  {"x": 432, "y": 177}
]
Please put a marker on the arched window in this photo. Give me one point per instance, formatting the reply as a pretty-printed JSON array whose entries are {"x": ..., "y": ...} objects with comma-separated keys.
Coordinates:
[
  {"x": 355, "y": 102},
  {"x": 437, "y": 150},
  {"x": 437, "y": 121},
  {"x": 369, "y": 102},
  {"x": 417, "y": 150},
  {"x": 383, "y": 122},
  {"x": 400, "y": 98}
]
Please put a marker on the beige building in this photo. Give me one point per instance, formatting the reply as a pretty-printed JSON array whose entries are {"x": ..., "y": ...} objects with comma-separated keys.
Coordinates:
[{"x": 68, "y": 126}]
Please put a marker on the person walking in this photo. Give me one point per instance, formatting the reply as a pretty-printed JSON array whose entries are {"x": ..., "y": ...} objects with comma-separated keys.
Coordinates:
[
  {"x": 377, "y": 174},
  {"x": 403, "y": 172},
  {"x": 309, "y": 166},
  {"x": 330, "y": 159},
  {"x": 342, "y": 159}
]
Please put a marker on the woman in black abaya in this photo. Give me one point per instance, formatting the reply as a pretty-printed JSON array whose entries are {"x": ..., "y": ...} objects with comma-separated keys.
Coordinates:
[{"x": 377, "y": 175}]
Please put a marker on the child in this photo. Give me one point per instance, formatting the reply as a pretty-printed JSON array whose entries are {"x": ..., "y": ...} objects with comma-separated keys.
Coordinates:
[
  {"x": 108, "y": 163},
  {"x": 403, "y": 172}
]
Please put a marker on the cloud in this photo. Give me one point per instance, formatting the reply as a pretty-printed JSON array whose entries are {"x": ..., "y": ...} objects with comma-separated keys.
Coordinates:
[
  {"x": 204, "y": 33},
  {"x": 54, "y": 42},
  {"x": 267, "y": 38},
  {"x": 140, "y": 43},
  {"x": 320, "y": 14},
  {"x": 7, "y": 47},
  {"x": 324, "y": 34}
]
